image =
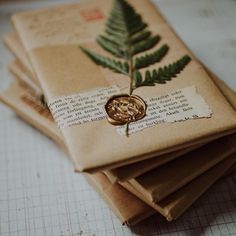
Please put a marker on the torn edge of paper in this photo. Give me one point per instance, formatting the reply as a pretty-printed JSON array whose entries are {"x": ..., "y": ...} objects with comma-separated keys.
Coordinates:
[
  {"x": 179, "y": 105},
  {"x": 81, "y": 108}
]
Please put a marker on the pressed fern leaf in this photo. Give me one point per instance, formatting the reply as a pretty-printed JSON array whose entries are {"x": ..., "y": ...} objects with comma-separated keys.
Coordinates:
[
  {"x": 126, "y": 35},
  {"x": 142, "y": 46},
  {"x": 116, "y": 66},
  {"x": 150, "y": 59},
  {"x": 163, "y": 74}
]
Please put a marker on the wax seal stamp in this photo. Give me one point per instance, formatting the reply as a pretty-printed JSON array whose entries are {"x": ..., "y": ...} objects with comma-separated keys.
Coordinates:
[{"x": 123, "y": 109}]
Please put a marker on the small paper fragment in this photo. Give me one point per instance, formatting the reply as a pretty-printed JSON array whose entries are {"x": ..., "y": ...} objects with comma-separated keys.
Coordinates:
[
  {"x": 179, "y": 105},
  {"x": 81, "y": 108},
  {"x": 176, "y": 106}
]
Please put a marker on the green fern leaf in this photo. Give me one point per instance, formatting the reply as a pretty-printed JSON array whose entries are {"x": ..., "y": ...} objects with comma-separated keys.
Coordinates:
[
  {"x": 164, "y": 74},
  {"x": 138, "y": 79},
  {"x": 125, "y": 36},
  {"x": 143, "y": 35},
  {"x": 171, "y": 71},
  {"x": 116, "y": 66},
  {"x": 110, "y": 47},
  {"x": 112, "y": 41},
  {"x": 145, "y": 45},
  {"x": 150, "y": 59}
]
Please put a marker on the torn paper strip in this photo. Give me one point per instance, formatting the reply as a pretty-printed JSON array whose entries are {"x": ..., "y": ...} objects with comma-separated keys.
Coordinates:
[{"x": 179, "y": 105}]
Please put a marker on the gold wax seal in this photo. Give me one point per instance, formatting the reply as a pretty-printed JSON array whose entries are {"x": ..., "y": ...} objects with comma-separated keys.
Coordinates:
[{"x": 122, "y": 109}]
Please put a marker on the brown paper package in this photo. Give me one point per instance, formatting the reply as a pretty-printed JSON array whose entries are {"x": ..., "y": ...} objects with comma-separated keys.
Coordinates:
[
  {"x": 155, "y": 185},
  {"x": 32, "y": 113},
  {"x": 125, "y": 205},
  {"x": 174, "y": 206},
  {"x": 119, "y": 174},
  {"x": 22, "y": 73},
  {"x": 125, "y": 173},
  {"x": 13, "y": 43},
  {"x": 62, "y": 69}
]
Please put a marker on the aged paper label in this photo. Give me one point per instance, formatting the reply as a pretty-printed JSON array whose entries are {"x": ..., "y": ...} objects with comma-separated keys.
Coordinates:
[
  {"x": 179, "y": 105},
  {"x": 81, "y": 108}
]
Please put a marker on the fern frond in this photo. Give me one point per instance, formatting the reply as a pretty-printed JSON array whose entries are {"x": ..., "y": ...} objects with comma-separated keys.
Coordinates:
[
  {"x": 140, "y": 37},
  {"x": 113, "y": 41},
  {"x": 138, "y": 79},
  {"x": 115, "y": 34},
  {"x": 145, "y": 45},
  {"x": 137, "y": 28},
  {"x": 126, "y": 35},
  {"x": 111, "y": 48},
  {"x": 171, "y": 71},
  {"x": 116, "y": 66},
  {"x": 164, "y": 74},
  {"x": 123, "y": 18},
  {"x": 150, "y": 59}
]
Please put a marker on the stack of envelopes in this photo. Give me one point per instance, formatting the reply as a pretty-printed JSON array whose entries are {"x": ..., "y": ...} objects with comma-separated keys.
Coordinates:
[{"x": 174, "y": 139}]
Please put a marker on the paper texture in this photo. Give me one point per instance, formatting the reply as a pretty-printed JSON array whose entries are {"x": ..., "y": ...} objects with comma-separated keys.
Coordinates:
[
  {"x": 18, "y": 69},
  {"x": 180, "y": 105},
  {"x": 141, "y": 167},
  {"x": 163, "y": 181},
  {"x": 134, "y": 170},
  {"x": 174, "y": 206},
  {"x": 63, "y": 69},
  {"x": 123, "y": 173},
  {"x": 114, "y": 195},
  {"x": 131, "y": 171},
  {"x": 12, "y": 41},
  {"x": 126, "y": 206},
  {"x": 81, "y": 108}
]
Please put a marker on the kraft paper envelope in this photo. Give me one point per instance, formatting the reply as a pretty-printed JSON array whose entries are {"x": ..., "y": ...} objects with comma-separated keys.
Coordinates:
[
  {"x": 19, "y": 70},
  {"x": 123, "y": 173},
  {"x": 30, "y": 109},
  {"x": 52, "y": 38},
  {"x": 127, "y": 206},
  {"x": 131, "y": 171},
  {"x": 159, "y": 183},
  {"x": 118, "y": 198},
  {"x": 13, "y": 43},
  {"x": 173, "y": 206},
  {"x": 13, "y": 97},
  {"x": 155, "y": 185}
]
